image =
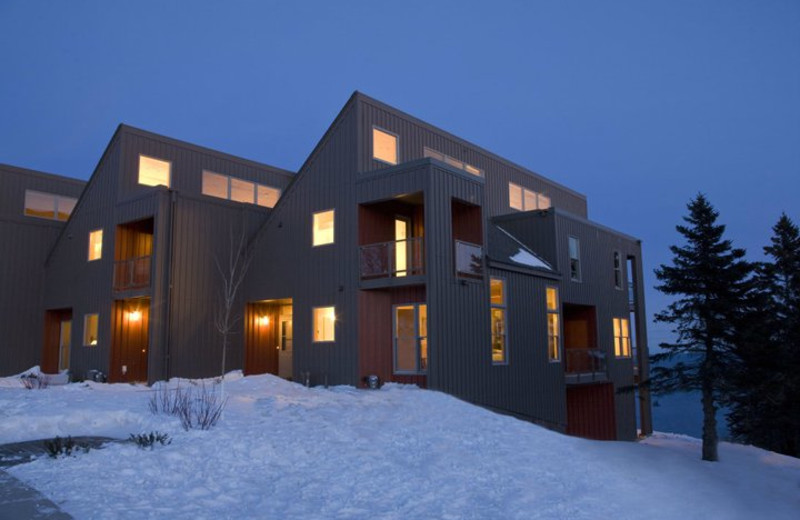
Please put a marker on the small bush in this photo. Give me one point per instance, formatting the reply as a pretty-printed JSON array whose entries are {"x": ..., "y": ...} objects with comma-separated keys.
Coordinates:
[
  {"x": 63, "y": 447},
  {"x": 149, "y": 440},
  {"x": 197, "y": 406},
  {"x": 34, "y": 381}
]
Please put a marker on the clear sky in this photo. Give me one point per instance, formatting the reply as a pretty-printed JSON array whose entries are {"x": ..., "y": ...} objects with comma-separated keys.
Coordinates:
[{"x": 639, "y": 105}]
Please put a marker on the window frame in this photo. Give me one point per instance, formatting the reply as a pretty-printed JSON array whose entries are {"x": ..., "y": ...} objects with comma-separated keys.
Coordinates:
[
  {"x": 503, "y": 307},
  {"x": 56, "y": 198},
  {"x": 527, "y": 194},
  {"x": 396, "y": 145},
  {"x": 90, "y": 249},
  {"x": 314, "y": 227},
  {"x": 314, "y": 324},
  {"x": 85, "y": 336},
  {"x": 577, "y": 276},
  {"x": 559, "y": 333},
  {"x": 420, "y": 371},
  {"x": 620, "y": 350},
  {"x": 619, "y": 276},
  {"x": 139, "y": 172}
]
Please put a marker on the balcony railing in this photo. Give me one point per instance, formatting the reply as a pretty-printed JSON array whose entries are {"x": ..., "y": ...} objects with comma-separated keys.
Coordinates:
[
  {"x": 469, "y": 259},
  {"x": 393, "y": 259},
  {"x": 584, "y": 365},
  {"x": 133, "y": 273}
]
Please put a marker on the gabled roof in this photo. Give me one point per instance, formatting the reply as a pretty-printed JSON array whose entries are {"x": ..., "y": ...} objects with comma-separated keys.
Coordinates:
[{"x": 505, "y": 249}]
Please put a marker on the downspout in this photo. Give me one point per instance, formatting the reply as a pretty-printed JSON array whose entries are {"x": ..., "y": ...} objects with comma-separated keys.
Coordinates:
[{"x": 170, "y": 270}]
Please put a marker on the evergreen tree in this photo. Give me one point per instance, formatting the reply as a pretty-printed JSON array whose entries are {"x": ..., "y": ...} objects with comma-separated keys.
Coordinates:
[
  {"x": 710, "y": 280},
  {"x": 765, "y": 408}
]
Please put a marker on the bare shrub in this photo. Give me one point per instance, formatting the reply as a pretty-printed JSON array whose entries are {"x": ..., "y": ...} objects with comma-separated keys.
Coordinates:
[{"x": 197, "y": 406}]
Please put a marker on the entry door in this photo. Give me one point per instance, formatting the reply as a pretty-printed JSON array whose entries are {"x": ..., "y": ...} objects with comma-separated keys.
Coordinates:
[
  {"x": 285, "y": 352},
  {"x": 402, "y": 232},
  {"x": 411, "y": 338},
  {"x": 64, "y": 339},
  {"x": 131, "y": 341}
]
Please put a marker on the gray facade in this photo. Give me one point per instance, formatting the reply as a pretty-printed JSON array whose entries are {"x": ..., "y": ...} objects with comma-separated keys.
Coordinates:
[{"x": 399, "y": 284}]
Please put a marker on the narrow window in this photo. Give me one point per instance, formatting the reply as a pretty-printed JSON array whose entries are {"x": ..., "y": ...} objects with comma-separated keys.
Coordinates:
[
  {"x": 154, "y": 172},
  {"x": 243, "y": 191},
  {"x": 497, "y": 293},
  {"x": 323, "y": 228},
  {"x": 427, "y": 152},
  {"x": 574, "y": 259},
  {"x": 473, "y": 170},
  {"x": 384, "y": 146},
  {"x": 617, "y": 271},
  {"x": 215, "y": 185},
  {"x": 90, "y": 330},
  {"x": 515, "y": 196},
  {"x": 267, "y": 196},
  {"x": 64, "y": 207},
  {"x": 553, "y": 326},
  {"x": 411, "y": 338},
  {"x": 529, "y": 198},
  {"x": 95, "y": 244},
  {"x": 622, "y": 338},
  {"x": 324, "y": 323},
  {"x": 544, "y": 201}
]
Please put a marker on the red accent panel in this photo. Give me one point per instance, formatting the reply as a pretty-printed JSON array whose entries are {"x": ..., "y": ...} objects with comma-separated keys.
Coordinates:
[
  {"x": 261, "y": 340},
  {"x": 590, "y": 412}
]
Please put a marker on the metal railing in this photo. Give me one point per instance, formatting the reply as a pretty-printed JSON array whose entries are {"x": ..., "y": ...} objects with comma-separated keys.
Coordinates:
[
  {"x": 392, "y": 259},
  {"x": 585, "y": 364},
  {"x": 132, "y": 273},
  {"x": 469, "y": 259}
]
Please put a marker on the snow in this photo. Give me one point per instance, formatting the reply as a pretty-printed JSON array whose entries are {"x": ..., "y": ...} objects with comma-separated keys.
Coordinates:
[
  {"x": 527, "y": 258},
  {"x": 283, "y": 450}
]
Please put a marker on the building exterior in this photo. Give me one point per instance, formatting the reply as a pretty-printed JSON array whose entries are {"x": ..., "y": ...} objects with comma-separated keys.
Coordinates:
[{"x": 397, "y": 251}]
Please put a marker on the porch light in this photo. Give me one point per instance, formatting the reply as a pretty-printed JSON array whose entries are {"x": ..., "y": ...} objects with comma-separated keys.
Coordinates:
[
  {"x": 135, "y": 315},
  {"x": 263, "y": 320}
]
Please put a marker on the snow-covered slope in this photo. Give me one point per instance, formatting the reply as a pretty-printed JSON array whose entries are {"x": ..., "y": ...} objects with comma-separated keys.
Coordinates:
[{"x": 286, "y": 451}]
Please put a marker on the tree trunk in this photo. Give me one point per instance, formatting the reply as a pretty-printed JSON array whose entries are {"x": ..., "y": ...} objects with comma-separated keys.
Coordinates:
[{"x": 709, "y": 421}]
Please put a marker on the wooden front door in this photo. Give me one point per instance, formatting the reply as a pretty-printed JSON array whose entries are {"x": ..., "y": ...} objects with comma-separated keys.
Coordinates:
[
  {"x": 130, "y": 340},
  {"x": 57, "y": 340}
]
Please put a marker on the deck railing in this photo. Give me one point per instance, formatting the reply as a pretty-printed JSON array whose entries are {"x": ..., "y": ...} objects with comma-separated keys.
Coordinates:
[
  {"x": 132, "y": 273},
  {"x": 469, "y": 259},
  {"x": 584, "y": 365},
  {"x": 397, "y": 258}
]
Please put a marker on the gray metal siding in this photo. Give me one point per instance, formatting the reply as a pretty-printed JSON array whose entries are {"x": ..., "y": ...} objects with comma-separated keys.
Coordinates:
[{"x": 27, "y": 241}]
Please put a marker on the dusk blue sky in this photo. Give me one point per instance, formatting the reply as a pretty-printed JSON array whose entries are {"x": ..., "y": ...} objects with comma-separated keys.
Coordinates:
[{"x": 638, "y": 105}]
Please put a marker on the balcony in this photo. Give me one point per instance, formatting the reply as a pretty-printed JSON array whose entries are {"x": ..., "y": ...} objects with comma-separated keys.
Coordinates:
[
  {"x": 132, "y": 273},
  {"x": 395, "y": 259},
  {"x": 585, "y": 365},
  {"x": 469, "y": 259}
]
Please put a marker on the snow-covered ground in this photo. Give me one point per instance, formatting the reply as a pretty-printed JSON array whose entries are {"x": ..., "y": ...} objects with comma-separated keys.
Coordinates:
[{"x": 286, "y": 451}]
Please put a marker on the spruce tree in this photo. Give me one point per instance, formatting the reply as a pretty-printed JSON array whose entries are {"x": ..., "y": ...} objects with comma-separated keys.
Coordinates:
[
  {"x": 709, "y": 279},
  {"x": 765, "y": 408}
]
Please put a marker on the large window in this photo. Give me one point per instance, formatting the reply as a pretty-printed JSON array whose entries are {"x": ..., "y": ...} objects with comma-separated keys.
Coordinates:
[
  {"x": 574, "y": 259},
  {"x": 524, "y": 199},
  {"x": 95, "y": 244},
  {"x": 452, "y": 161},
  {"x": 384, "y": 146},
  {"x": 497, "y": 294},
  {"x": 553, "y": 325},
  {"x": 617, "y": 271},
  {"x": 411, "y": 338},
  {"x": 154, "y": 172},
  {"x": 323, "y": 228},
  {"x": 239, "y": 190},
  {"x": 622, "y": 338},
  {"x": 324, "y": 323},
  {"x": 90, "y": 330},
  {"x": 48, "y": 205}
]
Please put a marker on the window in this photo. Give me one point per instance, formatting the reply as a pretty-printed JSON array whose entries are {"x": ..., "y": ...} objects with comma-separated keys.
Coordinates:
[
  {"x": 574, "y": 259},
  {"x": 154, "y": 172},
  {"x": 384, "y": 146},
  {"x": 95, "y": 244},
  {"x": 524, "y": 199},
  {"x": 47, "y": 205},
  {"x": 411, "y": 338},
  {"x": 323, "y": 228},
  {"x": 497, "y": 297},
  {"x": 239, "y": 190},
  {"x": 324, "y": 323},
  {"x": 622, "y": 338},
  {"x": 90, "y": 330},
  {"x": 617, "y": 271},
  {"x": 553, "y": 326},
  {"x": 452, "y": 161}
]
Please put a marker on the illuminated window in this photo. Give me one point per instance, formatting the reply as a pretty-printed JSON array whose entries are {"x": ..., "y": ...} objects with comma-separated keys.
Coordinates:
[
  {"x": 154, "y": 172},
  {"x": 267, "y": 196},
  {"x": 384, "y": 146},
  {"x": 452, "y": 161},
  {"x": 524, "y": 199},
  {"x": 324, "y": 323},
  {"x": 95, "y": 244},
  {"x": 622, "y": 338},
  {"x": 243, "y": 191},
  {"x": 553, "y": 326},
  {"x": 497, "y": 297},
  {"x": 323, "y": 228},
  {"x": 47, "y": 205},
  {"x": 411, "y": 338},
  {"x": 574, "y": 259},
  {"x": 90, "y": 330},
  {"x": 617, "y": 270},
  {"x": 215, "y": 185}
]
